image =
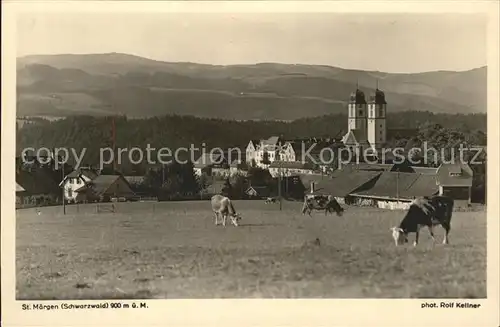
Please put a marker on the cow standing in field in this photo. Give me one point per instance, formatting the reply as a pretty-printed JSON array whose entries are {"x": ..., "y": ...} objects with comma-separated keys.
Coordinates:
[
  {"x": 428, "y": 212},
  {"x": 321, "y": 202},
  {"x": 222, "y": 206}
]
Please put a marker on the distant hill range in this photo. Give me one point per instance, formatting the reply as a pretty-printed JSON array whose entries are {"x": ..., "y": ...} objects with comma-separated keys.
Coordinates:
[{"x": 114, "y": 83}]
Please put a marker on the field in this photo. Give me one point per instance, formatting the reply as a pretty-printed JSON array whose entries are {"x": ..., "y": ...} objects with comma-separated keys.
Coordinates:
[{"x": 173, "y": 250}]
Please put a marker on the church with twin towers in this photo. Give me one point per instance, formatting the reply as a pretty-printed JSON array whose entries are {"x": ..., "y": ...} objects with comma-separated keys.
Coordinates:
[{"x": 366, "y": 122}]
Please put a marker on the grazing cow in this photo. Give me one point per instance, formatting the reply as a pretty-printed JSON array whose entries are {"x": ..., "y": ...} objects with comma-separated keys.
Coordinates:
[
  {"x": 425, "y": 211},
  {"x": 222, "y": 205},
  {"x": 321, "y": 202},
  {"x": 271, "y": 200}
]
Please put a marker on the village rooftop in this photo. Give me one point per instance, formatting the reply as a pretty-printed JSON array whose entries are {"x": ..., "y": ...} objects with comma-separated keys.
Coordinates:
[{"x": 327, "y": 155}]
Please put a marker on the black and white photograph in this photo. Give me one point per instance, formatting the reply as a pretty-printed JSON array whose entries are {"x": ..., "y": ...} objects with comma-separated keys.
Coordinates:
[{"x": 250, "y": 155}]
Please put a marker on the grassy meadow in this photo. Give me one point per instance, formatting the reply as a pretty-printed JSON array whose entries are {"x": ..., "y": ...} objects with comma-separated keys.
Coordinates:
[{"x": 174, "y": 250}]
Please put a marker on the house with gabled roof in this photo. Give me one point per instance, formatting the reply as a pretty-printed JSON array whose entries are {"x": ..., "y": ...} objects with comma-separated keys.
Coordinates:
[
  {"x": 425, "y": 170},
  {"x": 396, "y": 190},
  {"x": 342, "y": 183},
  {"x": 262, "y": 150},
  {"x": 423, "y": 185},
  {"x": 257, "y": 192},
  {"x": 76, "y": 179},
  {"x": 455, "y": 180},
  {"x": 104, "y": 188},
  {"x": 389, "y": 186},
  {"x": 306, "y": 180},
  {"x": 276, "y": 148},
  {"x": 292, "y": 151},
  {"x": 251, "y": 151}
]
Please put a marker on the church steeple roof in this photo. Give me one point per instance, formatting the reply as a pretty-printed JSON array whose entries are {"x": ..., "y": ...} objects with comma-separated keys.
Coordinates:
[
  {"x": 378, "y": 97},
  {"x": 358, "y": 96}
]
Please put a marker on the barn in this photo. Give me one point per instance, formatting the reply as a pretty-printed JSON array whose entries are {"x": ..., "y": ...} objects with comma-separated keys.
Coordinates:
[
  {"x": 343, "y": 182},
  {"x": 104, "y": 188},
  {"x": 455, "y": 181},
  {"x": 395, "y": 190}
]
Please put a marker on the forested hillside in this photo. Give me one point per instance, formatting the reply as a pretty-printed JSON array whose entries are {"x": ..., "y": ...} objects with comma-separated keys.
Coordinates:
[{"x": 93, "y": 133}]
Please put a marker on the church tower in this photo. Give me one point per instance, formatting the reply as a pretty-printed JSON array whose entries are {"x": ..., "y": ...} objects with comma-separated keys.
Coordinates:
[
  {"x": 357, "y": 115},
  {"x": 377, "y": 129}
]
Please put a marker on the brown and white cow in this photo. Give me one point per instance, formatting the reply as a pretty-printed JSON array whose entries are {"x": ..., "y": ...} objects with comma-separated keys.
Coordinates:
[
  {"x": 222, "y": 206},
  {"x": 271, "y": 200},
  {"x": 321, "y": 202},
  {"x": 425, "y": 211}
]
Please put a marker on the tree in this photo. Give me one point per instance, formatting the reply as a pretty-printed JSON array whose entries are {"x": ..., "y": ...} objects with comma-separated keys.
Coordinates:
[
  {"x": 238, "y": 185},
  {"x": 172, "y": 185},
  {"x": 444, "y": 142},
  {"x": 259, "y": 176},
  {"x": 227, "y": 189},
  {"x": 293, "y": 187},
  {"x": 189, "y": 180},
  {"x": 478, "y": 137},
  {"x": 479, "y": 180},
  {"x": 415, "y": 157},
  {"x": 203, "y": 181},
  {"x": 109, "y": 170},
  {"x": 153, "y": 180},
  {"x": 137, "y": 169}
]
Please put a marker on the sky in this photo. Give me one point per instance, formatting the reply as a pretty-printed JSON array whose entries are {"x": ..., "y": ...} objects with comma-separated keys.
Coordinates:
[{"x": 397, "y": 43}]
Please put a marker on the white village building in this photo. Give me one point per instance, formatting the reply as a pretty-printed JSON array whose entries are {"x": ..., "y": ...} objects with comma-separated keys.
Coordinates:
[{"x": 75, "y": 180}]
